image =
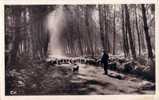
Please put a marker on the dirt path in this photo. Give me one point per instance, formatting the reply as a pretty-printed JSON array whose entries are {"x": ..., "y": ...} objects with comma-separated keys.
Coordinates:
[{"x": 91, "y": 80}]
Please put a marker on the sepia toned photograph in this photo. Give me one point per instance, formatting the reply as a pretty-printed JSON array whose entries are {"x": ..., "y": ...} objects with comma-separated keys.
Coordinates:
[{"x": 106, "y": 49}]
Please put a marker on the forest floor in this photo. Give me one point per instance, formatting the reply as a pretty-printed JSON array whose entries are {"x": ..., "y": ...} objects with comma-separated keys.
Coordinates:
[
  {"x": 41, "y": 79},
  {"x": 92, "y": 81}
]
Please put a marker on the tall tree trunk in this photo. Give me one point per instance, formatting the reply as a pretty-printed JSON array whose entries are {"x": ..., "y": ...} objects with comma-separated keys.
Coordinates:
[
  {"x": 17, "y": 39},
  {"x": 137, "y": 29},
  {"x": 87, "y": 16},
  {"x": 79, "y": 32},
  {"x": 100, "y": 7},
  {"x": 132, "y": 46},
  {"x": 114, "y": 35},
  {"x": 148, "y": 41},
  {"x": 106, "y": 24},
  {"x": 127, "y": 39},
  {"x": 123, "y": 32}
]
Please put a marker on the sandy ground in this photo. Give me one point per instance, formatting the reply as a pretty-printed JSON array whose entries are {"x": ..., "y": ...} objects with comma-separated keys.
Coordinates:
[
  {"x": 91, "y": 80},
  {"x": 88, "y": 80}
]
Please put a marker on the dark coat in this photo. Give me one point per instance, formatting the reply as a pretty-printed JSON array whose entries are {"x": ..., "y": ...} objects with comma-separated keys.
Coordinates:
[{"x": 105, "y": 58}]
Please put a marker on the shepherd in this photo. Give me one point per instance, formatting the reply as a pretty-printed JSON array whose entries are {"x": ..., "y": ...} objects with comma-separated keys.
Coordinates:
[{"x": 104, "y": 61}]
